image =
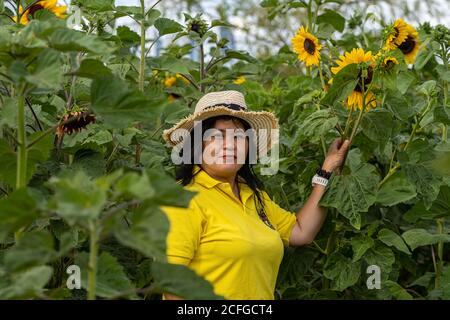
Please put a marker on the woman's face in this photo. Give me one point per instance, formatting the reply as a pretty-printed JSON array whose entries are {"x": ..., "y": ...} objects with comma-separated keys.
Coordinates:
[{"x": 225, "y": 148}]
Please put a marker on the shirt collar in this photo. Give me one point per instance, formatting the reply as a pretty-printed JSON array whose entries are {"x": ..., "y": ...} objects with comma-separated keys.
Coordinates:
[{"x": 209, "y": 182}]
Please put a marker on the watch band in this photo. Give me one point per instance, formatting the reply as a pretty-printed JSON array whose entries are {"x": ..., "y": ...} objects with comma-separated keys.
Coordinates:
[
  {"x": 323, "y": 173},
  {"x": 319, "y": 180}
]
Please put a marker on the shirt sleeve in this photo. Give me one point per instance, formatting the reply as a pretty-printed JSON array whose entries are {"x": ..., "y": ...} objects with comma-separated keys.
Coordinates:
[
  {"x": 283, "y": 220},
  {"x": 186, "y": 228}
]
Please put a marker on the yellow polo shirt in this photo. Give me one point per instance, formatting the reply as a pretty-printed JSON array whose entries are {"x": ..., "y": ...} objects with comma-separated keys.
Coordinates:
[{"x": 225, "y": 241}]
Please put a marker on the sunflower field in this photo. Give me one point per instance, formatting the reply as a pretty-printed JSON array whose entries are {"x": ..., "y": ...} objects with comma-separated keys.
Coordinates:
[{"x": 84, "y": 169}]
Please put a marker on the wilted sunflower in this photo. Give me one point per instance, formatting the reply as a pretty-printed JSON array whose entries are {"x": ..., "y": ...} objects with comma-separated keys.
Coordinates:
[
  {"x": 51, "y": 5},
  {"x": 397, "y": 33},
  {"x": 76, "y": 120},
  {"x": 307, "y": 46},
  {"x": 410, "y": 47},
  {"x": 355, "y": 99}
]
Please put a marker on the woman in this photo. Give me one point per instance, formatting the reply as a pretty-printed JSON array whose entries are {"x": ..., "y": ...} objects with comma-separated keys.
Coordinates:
[{"x": 232, "y": 234}]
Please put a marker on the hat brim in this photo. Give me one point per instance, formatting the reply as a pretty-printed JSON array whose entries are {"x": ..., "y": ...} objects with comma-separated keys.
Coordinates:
[{"x": 256, "y": 119}]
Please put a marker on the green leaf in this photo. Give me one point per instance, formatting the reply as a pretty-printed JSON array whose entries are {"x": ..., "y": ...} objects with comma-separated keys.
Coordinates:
[
  {"x": 128, "y": 36},
  {"x": 397, "y": 291},
  {"x": 427, "y": 88},
  {"x": 147, "y": 234},
  {"x": 71, "y": 40},
  {"x": 381, "y": 256},
  {"x": 440, "y": 208},
  {"x": 18, "y": 210},
  {"x": 420, "y": 237},
  {"x": 342, "y": 271},
  {"x": 134, "y": 185},
  {"x": 404, "y": 80},
  {"x": 111, "y": 279},
  {"x": 167, "y": 26},
  {"x": 27, "y": 284},
  {"x": 442, "y": 114},
  {"x": 360, "y": 245},
  {"x": 399, "y": 105},
  {"x": 392, "y": 239},
  {"x": 377, "y": 125},
  {"x": 426, "y": 182},
  {"x": 47, "y": 73},
  {"x": 240, "y": 55},
  {"x": 343, "y": 84},
  {"x": 333, "y": 18},
  {"x": 98, "y": 5},
  {"x": 444, "y": 73},
  {"x": 118, "y": 104},
  {"x": 217, "y": 23},
  {"x": 182, "y": 281},
  {"x": 172, "y": 64},
  {"x": 424, "y": 280},
  {"x": 34, "y": 248},
  {"x": 445, "y": 282},
  {"x": 8, "y": 113},
  {"x": 318, "y": 124},
  {"x": 168, "y": 192},
  {"x": 422, "y": 58},
  {"x": 91, "y": 68},
  {"x": 417, "y": 162},
  {"x": 352, "y": 193},
  {"x": 395, "y": 190},
  {"x": 78, "y": 199}
]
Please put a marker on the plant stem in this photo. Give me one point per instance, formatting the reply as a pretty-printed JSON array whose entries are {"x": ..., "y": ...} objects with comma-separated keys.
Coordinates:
[
  {"x": 440, "y": 253},
  {"x": 92, "y": 265},
  {"x": 202, "y": 68},
  {"x": 321, "y": 75},
  {"x": 138, "y": 149},
  {"x": 142, "y": 62},
  {"x": 444, "y": 87},
  {"x": 22, "y": 142},
  {"x": 310, "y": 16},
  {"x": 324, "y": 148}
]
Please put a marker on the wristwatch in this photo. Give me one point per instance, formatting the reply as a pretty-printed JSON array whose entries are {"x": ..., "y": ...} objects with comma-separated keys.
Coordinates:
[{"x": 321, "y": 177}]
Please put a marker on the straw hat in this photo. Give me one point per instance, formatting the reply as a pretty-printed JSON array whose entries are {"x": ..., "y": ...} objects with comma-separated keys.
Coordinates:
[{"x": 230, "y": 103}]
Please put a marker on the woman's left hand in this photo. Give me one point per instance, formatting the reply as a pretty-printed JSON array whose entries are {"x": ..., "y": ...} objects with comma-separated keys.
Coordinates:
[{"x": 336, "y": 155}]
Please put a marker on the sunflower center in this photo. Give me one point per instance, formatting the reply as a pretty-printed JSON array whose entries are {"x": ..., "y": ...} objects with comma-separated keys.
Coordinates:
[
  {"x": 34, "y": 8},
  {"x": 408, "y": 45},
  {"x": 309, "y": 46},
  {"x": 367, "y": 80}
]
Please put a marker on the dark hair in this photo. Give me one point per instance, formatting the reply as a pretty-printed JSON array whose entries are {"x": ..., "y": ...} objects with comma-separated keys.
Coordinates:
[{"x": 185, "y": 174}]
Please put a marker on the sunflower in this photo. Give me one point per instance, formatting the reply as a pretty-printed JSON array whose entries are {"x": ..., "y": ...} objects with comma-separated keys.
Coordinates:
[
  {"x": 396, "y": 35},
  {"x": 385, "y": 62},
  {"x": 307, "y": 46},
  {"x": 23, "y": 17},
  {"x": 410, "y": 47},
  {"x": 50, "y": 5},
  {"x": 239, "y": 80},
  {"x": 355, "y": 99},
  {"x": 180, "y": 76},
  {"x": 170, "y": 81}
]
